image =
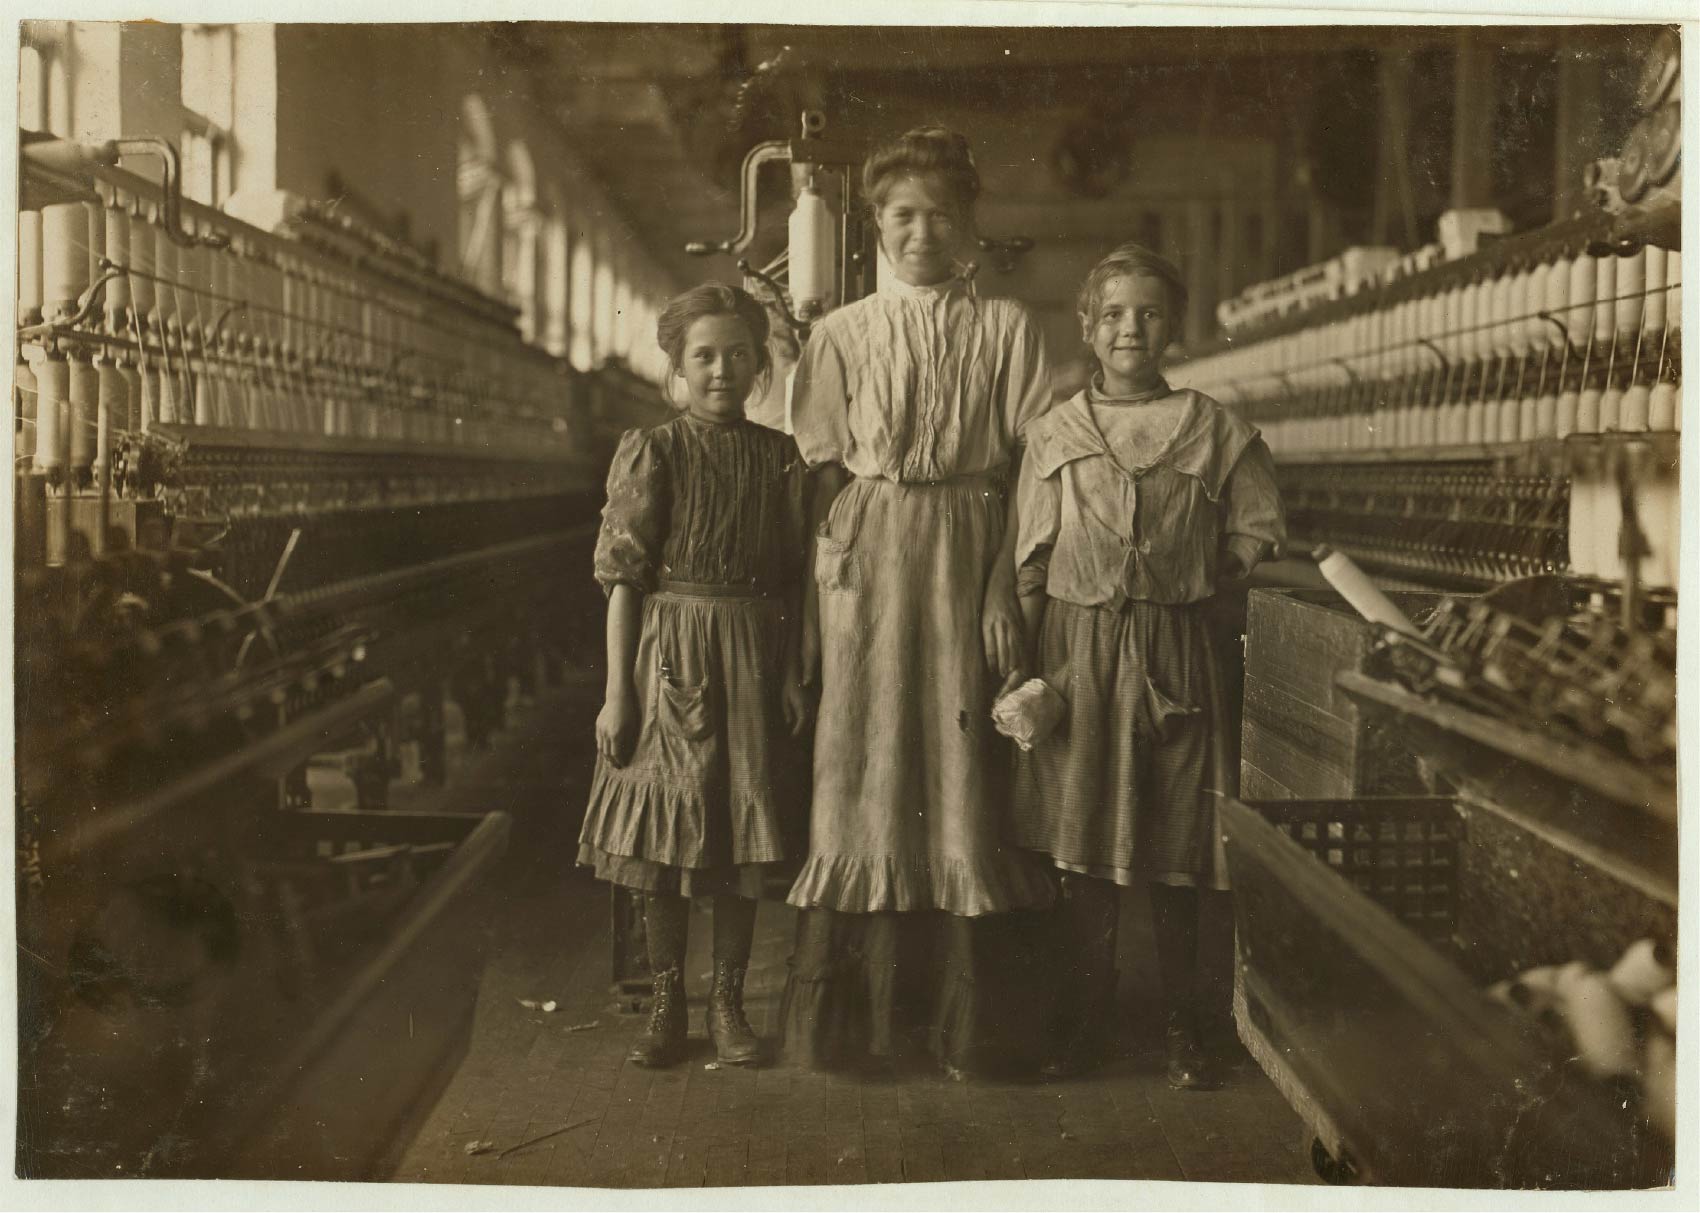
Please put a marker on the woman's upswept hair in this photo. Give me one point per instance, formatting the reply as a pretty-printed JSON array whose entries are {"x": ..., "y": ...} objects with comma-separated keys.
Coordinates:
[
  {"x": 711, "y": 299},
  {"x": 926, "y": 149},
  {"x": 1128, "y": 261}
]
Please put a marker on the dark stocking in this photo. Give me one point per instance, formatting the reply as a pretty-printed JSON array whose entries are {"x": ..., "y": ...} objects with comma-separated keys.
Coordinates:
[
  {"x": 1087, "y": 914},
  {"x": 666, "y": 922},
  {"x": 734, "y": 928},
  {"x": 1174, "y": 918}
]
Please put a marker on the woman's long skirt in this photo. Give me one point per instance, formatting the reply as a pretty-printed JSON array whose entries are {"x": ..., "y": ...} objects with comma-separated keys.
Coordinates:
[{"x": 908, "y": 856}]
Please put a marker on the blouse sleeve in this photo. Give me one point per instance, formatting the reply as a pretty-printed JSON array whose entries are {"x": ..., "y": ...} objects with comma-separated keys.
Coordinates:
[
  {"x": 1027, "y": 379},
  {"x": 1255, "y": 523},
  {"x": 634, "y": 522},
  {"x": 1039, "y": 509},
  {"x": 820, "y": 401}
]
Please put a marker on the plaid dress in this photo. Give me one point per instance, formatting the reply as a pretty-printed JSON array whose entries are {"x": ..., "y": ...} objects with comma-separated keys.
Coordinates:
[
  {"x": 706, "y": 520},
  {"x": 1126, "y": 508}
]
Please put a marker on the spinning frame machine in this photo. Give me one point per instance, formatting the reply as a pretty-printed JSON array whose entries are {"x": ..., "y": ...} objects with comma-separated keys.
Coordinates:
[
  {"x": 276, "y": 492},
  {"x": 1471, "y": 790}
]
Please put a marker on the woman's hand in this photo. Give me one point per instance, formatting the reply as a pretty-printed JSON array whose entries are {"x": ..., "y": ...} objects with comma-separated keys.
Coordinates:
[
  {"x": 794, "y": 698},
  {"x": 616, "y": 729},
  {"x": 1001, "y": 628}
]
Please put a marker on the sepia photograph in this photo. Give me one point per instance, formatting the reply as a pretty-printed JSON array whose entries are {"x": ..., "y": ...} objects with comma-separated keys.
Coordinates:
[{"x": 808, "y": 607}]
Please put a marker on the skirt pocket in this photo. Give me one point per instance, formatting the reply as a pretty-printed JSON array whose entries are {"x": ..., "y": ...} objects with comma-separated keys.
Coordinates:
[
  {"x": 684, "y": 711},
  {"x": 835, "y": 565},
  {"x": 1165, "y": 718}
]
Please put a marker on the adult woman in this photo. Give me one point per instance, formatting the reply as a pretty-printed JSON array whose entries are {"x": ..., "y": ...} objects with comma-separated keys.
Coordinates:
[{"x": 910, "y": 404}]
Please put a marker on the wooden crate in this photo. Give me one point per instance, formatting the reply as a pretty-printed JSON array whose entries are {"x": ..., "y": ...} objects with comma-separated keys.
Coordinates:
[
  {"x": 1301, "y": 736},
  {"x": 1384, "y": 1044}
]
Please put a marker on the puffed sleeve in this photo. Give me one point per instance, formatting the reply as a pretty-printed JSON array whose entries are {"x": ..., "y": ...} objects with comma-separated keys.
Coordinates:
[
  {"x": 1254, "y": 523},
  {"x": 1027, "y": 378},
  {"x": 1039, "y": 508},
  {"x": 634, "y": 522},
  {"x": 820, "y": 401}
]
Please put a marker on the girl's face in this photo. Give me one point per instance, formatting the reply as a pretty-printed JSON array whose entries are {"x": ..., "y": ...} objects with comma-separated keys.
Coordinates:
[
  {"x": 921, "y": 229},
  {"x": 718, "y": 367},
  {"x": 1130, "y": 332}
]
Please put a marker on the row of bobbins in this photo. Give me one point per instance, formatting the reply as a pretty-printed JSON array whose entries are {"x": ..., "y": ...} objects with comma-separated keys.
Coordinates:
[
  {"x": 1587, "y": 342},
  {"x": 128, "y": 324}
]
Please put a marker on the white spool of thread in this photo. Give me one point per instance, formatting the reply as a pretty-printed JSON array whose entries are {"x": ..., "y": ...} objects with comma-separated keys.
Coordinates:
[
  {"x": 1599, "y": 1023},
  {"x": 1354, "y": 585},
  {"x": 1557, "y": 301},
  {"x": 1640, "y": 973},
  {"x": 1662, "y": 405},
  {"x": 1605, "y": 288},
  {"x": 1579, "y": 306},
  {"x": 64, "y": 259},
  {"x": 29, "y": 267},
  {"x": 1537, "y": 334},
  {"x": 1653, "y": 283},
  {"x": 52, "y": 380},
  {"x": 1635, "y": 408},
  {"x": 1631, "y": 287},
  {"x": 1581, "y": 526},
  {"x": 1611, "y": 409},
  {"x": 1499, "y": 335},
  {"x": 118, "y": 252},
  {"x": 813, "y": 252},
  {"x": 1588, "y": 410}
]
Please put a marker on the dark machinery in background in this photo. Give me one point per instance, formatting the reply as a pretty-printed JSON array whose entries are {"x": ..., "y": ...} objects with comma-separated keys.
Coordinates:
[{"x": 280, "y": 496}]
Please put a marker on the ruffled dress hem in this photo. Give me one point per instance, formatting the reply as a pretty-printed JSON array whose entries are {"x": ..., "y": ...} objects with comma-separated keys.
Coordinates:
[
  {"x": 643, "y": 813},
  {"x": 862, "y": 884}
]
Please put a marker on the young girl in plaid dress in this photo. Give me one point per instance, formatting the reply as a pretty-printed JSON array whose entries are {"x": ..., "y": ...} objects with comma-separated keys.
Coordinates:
[
  {"x": 1134, "y": 500},
  {"x": 697, "y": 791}
]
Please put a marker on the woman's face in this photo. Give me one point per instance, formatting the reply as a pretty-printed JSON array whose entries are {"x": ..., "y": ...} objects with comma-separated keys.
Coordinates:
[
  {"x": 921, "y": 229},
  {"x": 718, "y": 367},
  {"x": 1130, "y": 332}
]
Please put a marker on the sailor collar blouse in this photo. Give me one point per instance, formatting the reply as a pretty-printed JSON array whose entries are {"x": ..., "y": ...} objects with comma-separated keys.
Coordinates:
[
  {"x": 919, "y": 384},
  {"x": 1132, "y": 515}
]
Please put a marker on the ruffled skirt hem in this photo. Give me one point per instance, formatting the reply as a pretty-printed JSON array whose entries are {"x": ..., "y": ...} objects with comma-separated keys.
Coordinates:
[
  {"x": 644, "y": 816},
  {"x": 862, "y": 884}
]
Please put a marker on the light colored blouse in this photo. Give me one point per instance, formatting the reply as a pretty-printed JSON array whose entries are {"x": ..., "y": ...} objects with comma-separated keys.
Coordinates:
[
  {"x": 919, "y": 383},
  {"x": 1137, "y": 499}
]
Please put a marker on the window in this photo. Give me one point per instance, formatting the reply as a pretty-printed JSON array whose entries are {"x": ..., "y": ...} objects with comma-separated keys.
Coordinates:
[
  {"x": 208, "y": 95},
  {"x": 478, "y": 179},
  {"x": 521, "y": 222},
  {"x": 622, "y": 322},
  {"x": 581, "y": 347},
  {"x": 602, "y": 305},
  {"x": 556, "y": 293}
]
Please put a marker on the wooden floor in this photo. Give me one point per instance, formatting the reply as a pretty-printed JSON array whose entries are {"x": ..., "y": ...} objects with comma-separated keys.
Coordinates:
[{"x": 561, "y": 1076}]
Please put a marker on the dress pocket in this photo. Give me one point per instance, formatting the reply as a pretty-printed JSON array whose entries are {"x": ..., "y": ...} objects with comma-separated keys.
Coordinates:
[
  {"x": 1165, "y": 718},
  {"x": 684, "y": 711},
  {"x": 835, "y": 565}
]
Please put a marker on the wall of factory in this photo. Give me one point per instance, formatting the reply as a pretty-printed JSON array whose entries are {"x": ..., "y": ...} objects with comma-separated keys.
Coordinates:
[{"x": 375, "y": 115}]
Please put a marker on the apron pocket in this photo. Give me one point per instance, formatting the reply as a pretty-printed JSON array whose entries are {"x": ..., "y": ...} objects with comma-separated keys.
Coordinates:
[
  {"x": 684, "y": 711},
  {"x": 1164, "y": 717},
  {"x": 835, "y": 565}
]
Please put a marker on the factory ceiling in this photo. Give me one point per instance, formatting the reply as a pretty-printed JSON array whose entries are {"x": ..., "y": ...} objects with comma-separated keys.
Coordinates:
[{"x": 664, "y": 113}]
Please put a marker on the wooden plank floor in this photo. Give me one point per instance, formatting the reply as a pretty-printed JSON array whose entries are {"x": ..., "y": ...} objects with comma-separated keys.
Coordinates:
[{"x": 529, "y": 1073}]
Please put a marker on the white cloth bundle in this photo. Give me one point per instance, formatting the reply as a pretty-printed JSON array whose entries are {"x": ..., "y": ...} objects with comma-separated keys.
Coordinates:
[{"x": 1029, "y": 713}]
